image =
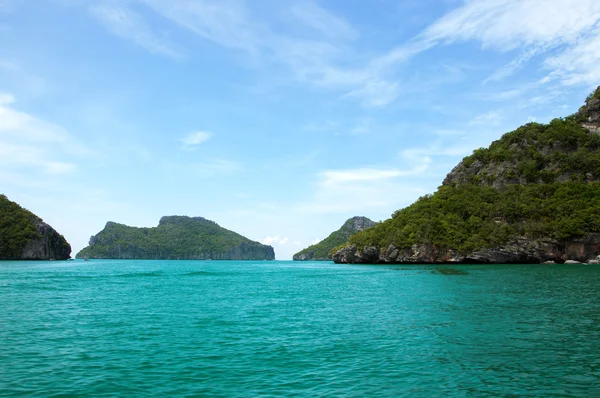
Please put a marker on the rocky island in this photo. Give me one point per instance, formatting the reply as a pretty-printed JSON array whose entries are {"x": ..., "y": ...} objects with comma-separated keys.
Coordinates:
[
  {"x": 175, "y": 238},
  {"x": 321, "y": 251},
  {"x": 533, "y": 196},
  {"x": 25, "y": 236}
]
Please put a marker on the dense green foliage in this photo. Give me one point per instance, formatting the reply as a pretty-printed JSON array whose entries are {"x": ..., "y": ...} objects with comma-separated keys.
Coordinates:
[
  {"x": 542, "y": 153},
  {"x": 322, "y": 250},
  {"x": 17, "y": 228},
  {"x": 174, "y": 238},
  {"x": 539, "y": 181},
  {"x": 468, "y": 217}
]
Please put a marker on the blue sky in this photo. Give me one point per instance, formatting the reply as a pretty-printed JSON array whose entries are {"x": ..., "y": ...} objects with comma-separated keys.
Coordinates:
[{"x": 278, "y": 119}]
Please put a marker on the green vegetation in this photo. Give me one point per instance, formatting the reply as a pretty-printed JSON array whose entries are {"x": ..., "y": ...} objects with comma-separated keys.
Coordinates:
[
  {"x": 539, "y": 181},
  {"x": 174, "y": 238},
  {"x": 469, "y": 217},
  {"x": 539, "y": 153},
  {"x": 17, "y": 228},
  {"x": 322, "y": 250}
]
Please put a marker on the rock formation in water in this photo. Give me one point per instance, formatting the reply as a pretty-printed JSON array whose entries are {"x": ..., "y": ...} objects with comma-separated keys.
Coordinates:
[
  {"x": 531, "y": 197},
  {"x": 321, "y": 251},
  {"x": 175, "y": 238},
  {"x": 25, "y": 236}
]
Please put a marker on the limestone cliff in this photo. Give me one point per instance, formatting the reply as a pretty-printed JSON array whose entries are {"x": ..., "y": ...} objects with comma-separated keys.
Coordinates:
[
  {"x": 532, "y": 196},
  {"x": 175, "y": 238},
  {"x": 25, "y": 236}
]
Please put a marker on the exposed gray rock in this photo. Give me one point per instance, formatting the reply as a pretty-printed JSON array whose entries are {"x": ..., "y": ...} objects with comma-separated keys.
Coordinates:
[
  {"x": 572, "y": 262},
  {"x": 520, "y": 251},
  {"x": 25, "y": 236},
  {"x": 346, "y": 255},
  {"x": 50, "y": 246}
]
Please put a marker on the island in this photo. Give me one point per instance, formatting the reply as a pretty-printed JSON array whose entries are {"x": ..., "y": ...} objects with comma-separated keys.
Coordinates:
[
  {"x": 322, "y": 251},
  {"x": 175, "y": 238},
  {"x": 532, "y": 196},
  {"x": 25, "y": 236}
]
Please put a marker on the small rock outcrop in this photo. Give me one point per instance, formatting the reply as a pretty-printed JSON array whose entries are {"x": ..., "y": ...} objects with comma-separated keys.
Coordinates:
[
  {"x": 25, "y": 236},
  {"x": 321, "y": 251},
  {"x": 590, "y": 112},
  {"x": 175, "y": 238}
]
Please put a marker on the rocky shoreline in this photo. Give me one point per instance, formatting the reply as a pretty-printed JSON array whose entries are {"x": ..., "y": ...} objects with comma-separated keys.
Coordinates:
[{"x": 520, "y": 251}]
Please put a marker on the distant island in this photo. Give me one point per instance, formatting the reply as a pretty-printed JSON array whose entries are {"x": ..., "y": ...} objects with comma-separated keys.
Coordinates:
[
  {"x": 25, "y": 236},
  {"x": 533, "y": 196},
  {"x": 175, "y": 238},
  {"x": 321, "y": 251}
]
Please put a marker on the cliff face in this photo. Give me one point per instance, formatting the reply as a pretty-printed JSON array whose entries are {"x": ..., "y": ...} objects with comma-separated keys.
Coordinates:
[
  {"x": 24, "y": 236},
  {"x": 533, "y": 196},
  {"x": 175, "y": 238},
  {"x": 321, "y": 251}
]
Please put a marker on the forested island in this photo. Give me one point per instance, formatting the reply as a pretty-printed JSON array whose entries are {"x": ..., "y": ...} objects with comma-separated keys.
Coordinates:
[
  {"x": 533, "y": 196},
  {"x": 25, "y": 236},
  {"x": 175, "y": 238},
  {"x": 322, "y": 251}
]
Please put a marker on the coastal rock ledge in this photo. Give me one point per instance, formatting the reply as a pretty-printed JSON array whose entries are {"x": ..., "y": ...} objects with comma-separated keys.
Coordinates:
[{"x": 520, "y": 251}]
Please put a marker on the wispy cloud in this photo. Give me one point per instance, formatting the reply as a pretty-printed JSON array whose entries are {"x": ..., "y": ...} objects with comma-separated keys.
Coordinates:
[
  {"x": 364, "y": 126},
  {"x": 127, "y": 24},
  {"x": 318, "y": 50},
  {"x": 313, "y": 15},
  {"x": 492, "y": 118},
  {"x": 365, "y": 189},
  {"x": 193, "y": 140},
  {"x": 335, "y": 178},
  {"x": 27, "y": 142},
  {"x": 532, "y": 26}
]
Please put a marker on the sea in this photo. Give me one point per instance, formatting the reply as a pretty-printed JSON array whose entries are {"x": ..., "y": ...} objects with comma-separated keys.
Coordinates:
[{"x": 138, "y": 328}]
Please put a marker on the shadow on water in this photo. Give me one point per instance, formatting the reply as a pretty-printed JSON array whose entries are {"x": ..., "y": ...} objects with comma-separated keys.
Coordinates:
[
  {"x": 436, "y": 271},
  {"x": 449, "y": 271}
]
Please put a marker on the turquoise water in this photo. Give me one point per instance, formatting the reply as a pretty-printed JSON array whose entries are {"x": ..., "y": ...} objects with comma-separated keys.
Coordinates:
[{"x": 237, "y": 329}]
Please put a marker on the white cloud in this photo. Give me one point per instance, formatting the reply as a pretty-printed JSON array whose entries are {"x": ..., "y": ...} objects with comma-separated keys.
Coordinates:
[
  {"x": 332, "y": 178},
  {"x": 125, "y": 23},
  {"x": 275, "y": 240},
  {"x": 192, "y": 140},
  {"x": 30, "y": 144},
  {"x": 365, "y": 189},
  {"x": 534, "y": 26},
  {"x": 579, "y": 64}
]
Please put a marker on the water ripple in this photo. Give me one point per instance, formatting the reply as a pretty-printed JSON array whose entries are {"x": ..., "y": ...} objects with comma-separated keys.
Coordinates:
[{"x": 273, "y": 329}]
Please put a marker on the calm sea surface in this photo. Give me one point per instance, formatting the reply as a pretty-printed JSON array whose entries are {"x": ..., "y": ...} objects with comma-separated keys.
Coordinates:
[{"x": 240, "y": 329}]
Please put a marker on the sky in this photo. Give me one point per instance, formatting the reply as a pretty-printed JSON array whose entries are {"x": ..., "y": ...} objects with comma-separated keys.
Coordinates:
[{"x": 278, "y": 119}]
